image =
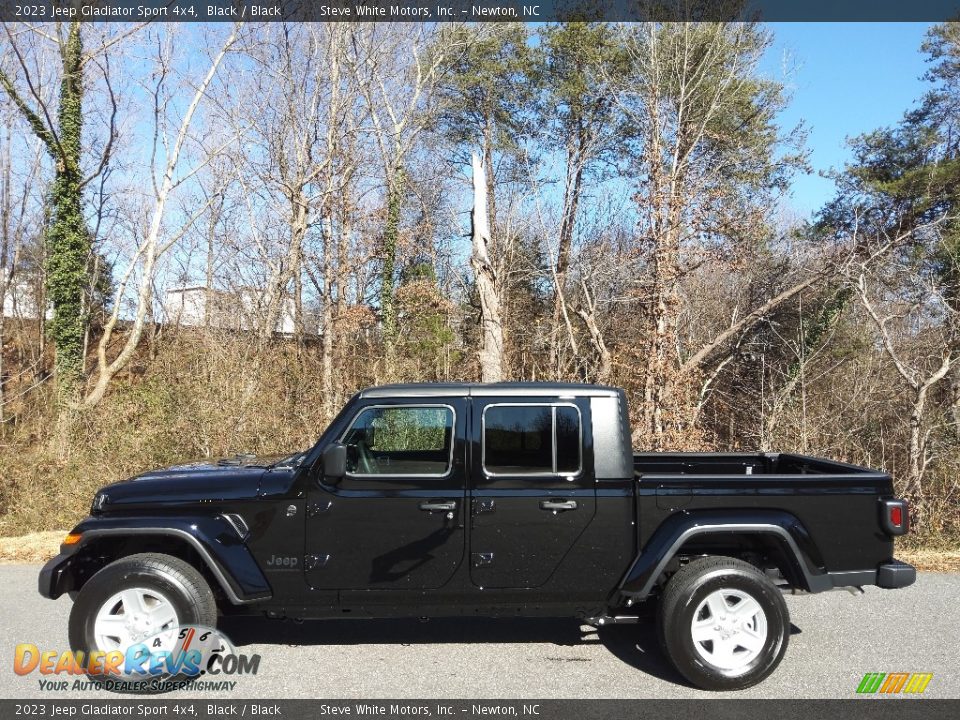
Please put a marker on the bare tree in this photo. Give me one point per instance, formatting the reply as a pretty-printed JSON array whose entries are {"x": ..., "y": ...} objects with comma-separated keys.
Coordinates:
[
  {"x": 154, "y": 243},
  {"x": 20, "y": 220},
  {"x": 922, "y": 360},
  {"x": 343, "y": 121},
  {"x": 284, "y": 151},
  {"x": 702, "y": 115},
  {"x": 397, "y": 68}
]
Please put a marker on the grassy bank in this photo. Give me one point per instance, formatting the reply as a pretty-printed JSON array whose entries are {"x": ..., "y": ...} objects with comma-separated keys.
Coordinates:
[{"x": 207, "y": 396}]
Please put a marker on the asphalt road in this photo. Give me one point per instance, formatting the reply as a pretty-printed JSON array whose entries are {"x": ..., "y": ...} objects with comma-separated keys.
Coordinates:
[{"x": 836, "y": 638}]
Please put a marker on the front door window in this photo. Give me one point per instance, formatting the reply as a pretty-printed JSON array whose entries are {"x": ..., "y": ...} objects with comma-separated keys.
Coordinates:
[{"x": 408, "y": 440}]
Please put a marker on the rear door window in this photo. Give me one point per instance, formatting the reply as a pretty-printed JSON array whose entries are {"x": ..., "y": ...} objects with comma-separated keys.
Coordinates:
[{"x": 531, "y": 440}]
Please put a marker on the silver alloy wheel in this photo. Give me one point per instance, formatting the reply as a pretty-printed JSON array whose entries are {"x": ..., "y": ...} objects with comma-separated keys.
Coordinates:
[
  {"x": 729, "y": 629},
  {"x": 133, "y": 615}
]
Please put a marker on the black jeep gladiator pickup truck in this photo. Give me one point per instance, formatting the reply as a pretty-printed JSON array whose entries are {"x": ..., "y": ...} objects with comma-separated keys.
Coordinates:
[{"x": 494, "y": 500}]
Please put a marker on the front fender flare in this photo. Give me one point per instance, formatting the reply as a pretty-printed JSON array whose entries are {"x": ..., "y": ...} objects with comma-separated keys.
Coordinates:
[
  {"x": 214, "y": 539},
  {"x": 670, "y": 537}
]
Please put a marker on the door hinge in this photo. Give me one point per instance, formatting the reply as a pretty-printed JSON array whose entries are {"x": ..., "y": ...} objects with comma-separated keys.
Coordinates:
[
  {"x": 314, "y": 509},
  {"x": 482, "y": 558},
  {"x": 483, "y": 505},
  {"x": 312, "y": 562}
]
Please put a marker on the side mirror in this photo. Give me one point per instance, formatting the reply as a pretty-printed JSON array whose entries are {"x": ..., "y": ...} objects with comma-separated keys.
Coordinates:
[{"x": 335, "y": 461}]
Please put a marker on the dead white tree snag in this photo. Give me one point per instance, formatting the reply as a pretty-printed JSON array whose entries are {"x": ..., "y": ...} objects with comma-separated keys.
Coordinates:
[{"x": 491, "y": 326}]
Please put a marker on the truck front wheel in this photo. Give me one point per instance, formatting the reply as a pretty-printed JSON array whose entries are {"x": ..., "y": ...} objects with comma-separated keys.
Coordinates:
[
  {"x": 722, "y": 623},
  {"x": 137, "y": 598}
]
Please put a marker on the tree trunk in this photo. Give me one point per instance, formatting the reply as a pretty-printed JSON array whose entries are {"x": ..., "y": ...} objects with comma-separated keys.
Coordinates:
[
  {"x": 68, "y": 241},
  {"x": 326, "y": 351},
  {"x": 571, "y": 203},
  {"x": 663, "y": 358},
  {"x": 914, "y": 489},
  {"x": 290, "y": 269},
  {"x": 6, "y": 273},
  {"x": 596, "y": 337},
  {"x": 955, "y": 402},
  {"x": 391, "y": 232},
  {"x": 491, "y": 345},
  {"x": 209, "y": 307},
  {"x": 917, "y": 457}
]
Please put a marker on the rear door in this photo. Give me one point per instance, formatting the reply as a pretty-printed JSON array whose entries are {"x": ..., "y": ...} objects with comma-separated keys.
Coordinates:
[
  {"x": 395, "y": 522},
  {"x": 532, "y": 488}
]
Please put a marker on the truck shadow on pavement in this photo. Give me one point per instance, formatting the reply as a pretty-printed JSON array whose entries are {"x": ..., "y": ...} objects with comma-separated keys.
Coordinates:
[{"x": 635, "y": 645}]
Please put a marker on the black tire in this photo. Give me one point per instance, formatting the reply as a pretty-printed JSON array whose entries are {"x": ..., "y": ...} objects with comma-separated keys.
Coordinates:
[
  {"x": 177, "y": 580},
  {"x": 683, "y": 596}
]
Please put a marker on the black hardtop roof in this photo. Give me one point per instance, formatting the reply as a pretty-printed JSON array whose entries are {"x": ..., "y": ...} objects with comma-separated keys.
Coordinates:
[{"x": 463, "y": 389}]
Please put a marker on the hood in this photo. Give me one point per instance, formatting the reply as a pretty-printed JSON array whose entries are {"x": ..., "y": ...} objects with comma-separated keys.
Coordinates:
[
  {"x": 203, "y": 468},
  {"x": 236, "y": 478}
]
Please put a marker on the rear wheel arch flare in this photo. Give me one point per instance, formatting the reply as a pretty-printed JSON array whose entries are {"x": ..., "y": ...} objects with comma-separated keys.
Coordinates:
[{"x": 743, "y": 544}]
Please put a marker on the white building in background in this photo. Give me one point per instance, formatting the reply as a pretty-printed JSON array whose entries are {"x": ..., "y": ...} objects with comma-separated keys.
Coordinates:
[
  {"x": 186, "y": 306},
  {"x": 20, "y": 302},
  {"x": 243, "y": 309}
]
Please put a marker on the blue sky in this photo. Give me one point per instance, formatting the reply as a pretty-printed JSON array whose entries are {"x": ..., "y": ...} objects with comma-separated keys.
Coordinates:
[{"x": 845, "y": 79}]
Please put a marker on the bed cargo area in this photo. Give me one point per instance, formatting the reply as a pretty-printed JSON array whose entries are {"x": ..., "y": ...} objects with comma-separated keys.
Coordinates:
[{"x": 739, "y": 464}]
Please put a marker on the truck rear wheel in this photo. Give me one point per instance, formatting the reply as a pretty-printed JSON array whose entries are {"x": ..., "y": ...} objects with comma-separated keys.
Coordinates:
[
  {"x": 722, "y": 623},
  {"x": 141, "y": 597}
]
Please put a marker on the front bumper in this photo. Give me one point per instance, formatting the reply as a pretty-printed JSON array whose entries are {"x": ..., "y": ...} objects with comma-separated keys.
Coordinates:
[{"x": 56, "y": 577}]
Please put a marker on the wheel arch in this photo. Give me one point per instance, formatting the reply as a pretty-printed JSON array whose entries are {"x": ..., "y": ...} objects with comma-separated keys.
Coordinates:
[
  {"x": 775, "y": 535},
  {"x": 213, "y": 548}
]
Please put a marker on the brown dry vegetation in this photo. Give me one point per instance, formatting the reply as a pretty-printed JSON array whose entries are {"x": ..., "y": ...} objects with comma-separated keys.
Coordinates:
[
  {"x": 205, "y": 394},
  {"x": 189, "y": 396}
]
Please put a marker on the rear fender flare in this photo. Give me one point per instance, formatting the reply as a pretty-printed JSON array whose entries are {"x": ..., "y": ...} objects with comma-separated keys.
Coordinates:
[{"x": 677, "y": 530}]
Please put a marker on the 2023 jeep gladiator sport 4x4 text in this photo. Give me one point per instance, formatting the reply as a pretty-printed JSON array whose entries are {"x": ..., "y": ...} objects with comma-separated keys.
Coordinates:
[{"x": 496, "y": 500}]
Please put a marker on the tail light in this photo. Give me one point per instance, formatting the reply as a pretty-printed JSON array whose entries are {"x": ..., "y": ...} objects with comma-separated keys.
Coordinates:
[{"x": 895, "y": 517}]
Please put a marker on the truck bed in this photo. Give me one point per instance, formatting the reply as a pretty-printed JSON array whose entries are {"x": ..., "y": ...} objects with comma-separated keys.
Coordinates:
[
  {"x": 835, "y": 502},
  {"x": 740, "y": 464}
]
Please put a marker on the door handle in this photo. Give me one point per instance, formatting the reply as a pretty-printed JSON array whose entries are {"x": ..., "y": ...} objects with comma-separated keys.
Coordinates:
[
  {"x": 558, "y": 505},
  {"x": 433, "y": 506}
]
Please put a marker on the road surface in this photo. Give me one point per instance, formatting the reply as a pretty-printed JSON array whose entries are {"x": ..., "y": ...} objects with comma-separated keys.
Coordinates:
[{"x": 836, "y": 639}]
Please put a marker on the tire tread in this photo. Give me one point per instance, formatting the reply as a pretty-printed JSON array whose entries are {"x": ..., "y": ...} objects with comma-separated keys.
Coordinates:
[
  {"x": 680, "y": 587},
  {"x": 197, "y": 590}
]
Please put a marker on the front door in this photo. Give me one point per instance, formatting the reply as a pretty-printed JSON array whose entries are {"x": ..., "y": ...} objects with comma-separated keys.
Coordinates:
[
  {"x": 532, "y": 489},
  {"x": 395, "y": 521}
]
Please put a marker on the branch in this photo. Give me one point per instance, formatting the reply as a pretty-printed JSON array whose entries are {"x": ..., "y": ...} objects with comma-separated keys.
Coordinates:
[
  {"x": 747, "y": 322},
  {"x": 113, "y": 41},
  {"x": 44, "y": 131},
  {"x": 108, "y": 148},
  {"x": 36, "y": 124},
  {"x": 906, "y": 373}
]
